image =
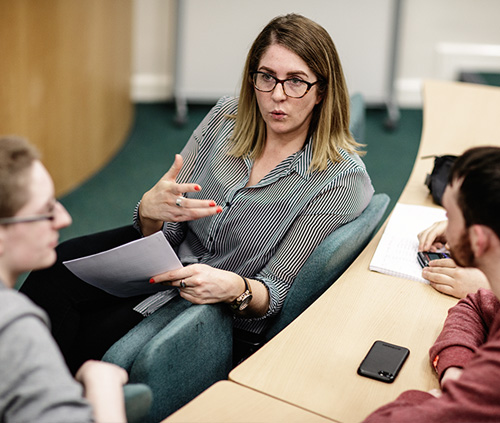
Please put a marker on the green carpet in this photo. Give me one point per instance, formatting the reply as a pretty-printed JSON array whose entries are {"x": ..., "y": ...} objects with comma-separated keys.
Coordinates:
[
  {"x": 107, "y": 200},
  {"x": 491, "y": 78},
  {"x": 390, "y": 154}
]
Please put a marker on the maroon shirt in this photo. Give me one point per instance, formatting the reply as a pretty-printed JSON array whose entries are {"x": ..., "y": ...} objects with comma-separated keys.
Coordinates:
[{"x": 470, "y": 339}]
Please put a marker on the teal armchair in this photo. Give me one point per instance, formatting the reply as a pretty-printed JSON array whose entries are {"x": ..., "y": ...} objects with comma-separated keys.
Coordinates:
[
  {"x": 358, "y": 117},
  {"x": 178, "y": 352}
]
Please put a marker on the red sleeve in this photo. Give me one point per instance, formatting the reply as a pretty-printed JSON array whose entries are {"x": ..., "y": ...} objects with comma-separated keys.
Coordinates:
[
  {"x": 465, "y": 330},
  {"x": 402, "y": 407}
]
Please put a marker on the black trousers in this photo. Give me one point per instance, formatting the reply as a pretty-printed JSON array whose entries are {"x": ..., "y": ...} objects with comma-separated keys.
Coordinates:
[{"x": 85, "y": 320}]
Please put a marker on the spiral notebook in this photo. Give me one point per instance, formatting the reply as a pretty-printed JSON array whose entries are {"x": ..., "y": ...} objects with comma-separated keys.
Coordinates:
[{"x": 396, "y": 253}]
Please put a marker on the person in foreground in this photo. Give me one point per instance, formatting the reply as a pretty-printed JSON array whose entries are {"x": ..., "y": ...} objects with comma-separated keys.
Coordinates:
[
  {"x": 466, "y": 355},
  {"x": 35, "y": 384},
  {"x": 261, "y": 182}
]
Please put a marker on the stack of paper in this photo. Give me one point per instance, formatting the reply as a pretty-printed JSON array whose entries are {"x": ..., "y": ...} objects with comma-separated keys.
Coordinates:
[
  {"x": 125, "y": 271},
  {"x": 396, "y": 252}
]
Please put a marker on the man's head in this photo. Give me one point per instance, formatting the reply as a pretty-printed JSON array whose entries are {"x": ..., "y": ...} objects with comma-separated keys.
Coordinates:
[
  {"x": 16, "y": 159},
  {"x": 472, "y": 201},
  {"x": 30, "y": 217}
]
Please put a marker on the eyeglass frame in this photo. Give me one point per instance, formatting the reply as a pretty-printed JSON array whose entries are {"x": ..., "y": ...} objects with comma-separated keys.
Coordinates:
[
  {"x": 29, "y": 219},
  {"x": 282, "y": 82}
]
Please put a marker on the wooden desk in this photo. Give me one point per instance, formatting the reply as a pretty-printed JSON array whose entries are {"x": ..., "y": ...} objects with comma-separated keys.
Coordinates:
[
  {"x": 229, "y": 402},
  {"x": 313, "y": 362}
]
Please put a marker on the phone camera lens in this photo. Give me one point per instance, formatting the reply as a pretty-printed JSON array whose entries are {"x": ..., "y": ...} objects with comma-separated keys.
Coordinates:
[{"x": 386, "y": 374}]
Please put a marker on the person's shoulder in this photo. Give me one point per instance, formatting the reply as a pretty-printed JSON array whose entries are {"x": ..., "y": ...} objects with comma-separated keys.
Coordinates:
[
  {"x": 350, "y": 173},
  {"x": 348, "y": 163},
  {"x": 227, "y": 105},
  {"x": 15, "y": 305},
  {"x": 352, "y": 158},
  {"x": 222, "y": 114}
]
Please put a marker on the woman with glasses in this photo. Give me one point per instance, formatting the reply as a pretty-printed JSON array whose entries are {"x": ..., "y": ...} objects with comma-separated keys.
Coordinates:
[
  {"x": 261, "y": 182},
  {"x": 35, "y": 384}
]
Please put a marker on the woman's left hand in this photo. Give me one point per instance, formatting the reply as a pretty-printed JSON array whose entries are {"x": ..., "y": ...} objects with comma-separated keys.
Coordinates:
[{"x": 203, "y": 284}]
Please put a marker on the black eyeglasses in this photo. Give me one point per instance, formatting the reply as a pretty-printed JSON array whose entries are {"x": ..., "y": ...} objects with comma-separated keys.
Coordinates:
[
  {"x": 292, "y": 87},
  {"x": 29, "y": 219}
]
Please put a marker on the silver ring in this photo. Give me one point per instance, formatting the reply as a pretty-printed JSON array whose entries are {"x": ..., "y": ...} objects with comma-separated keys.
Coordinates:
[
  {"x": 178, "y": 202},
  {"x": 183, "y": 284}
]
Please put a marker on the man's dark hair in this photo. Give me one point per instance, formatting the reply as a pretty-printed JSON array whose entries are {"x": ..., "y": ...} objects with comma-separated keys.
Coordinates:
[{"x": 478, "y": 172}]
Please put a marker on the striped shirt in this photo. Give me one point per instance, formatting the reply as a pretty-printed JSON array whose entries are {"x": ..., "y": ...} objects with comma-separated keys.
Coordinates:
[{"x": 265, "y": 231}]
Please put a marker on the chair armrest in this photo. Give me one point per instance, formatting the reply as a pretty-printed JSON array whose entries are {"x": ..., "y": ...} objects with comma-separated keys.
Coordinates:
[
  {"x": 187, "y": 356},
  {"x": 138, "y": 399},
  {"x": 358, "y": 117},
  {"x": 124, "y": 351}
]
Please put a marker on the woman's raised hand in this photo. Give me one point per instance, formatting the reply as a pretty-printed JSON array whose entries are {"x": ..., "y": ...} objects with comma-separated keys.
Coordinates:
[{"x": 165, "y": 202}]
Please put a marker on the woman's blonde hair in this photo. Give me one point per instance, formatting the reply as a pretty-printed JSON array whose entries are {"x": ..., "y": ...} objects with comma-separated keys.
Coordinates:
[{"x": 330, "y": 121}]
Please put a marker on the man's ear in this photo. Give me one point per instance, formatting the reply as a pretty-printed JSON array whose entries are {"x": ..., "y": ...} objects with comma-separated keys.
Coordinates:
[{"x": 482, "y": 239}]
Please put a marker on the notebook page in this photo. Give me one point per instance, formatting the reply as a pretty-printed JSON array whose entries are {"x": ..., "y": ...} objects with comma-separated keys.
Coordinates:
[{"x": 396, "y": 253}]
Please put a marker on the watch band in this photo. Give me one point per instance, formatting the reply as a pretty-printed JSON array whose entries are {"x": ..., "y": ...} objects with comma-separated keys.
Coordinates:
[
  {"x": 242, "y": 301},
  {"x": 247, "y": 285}
]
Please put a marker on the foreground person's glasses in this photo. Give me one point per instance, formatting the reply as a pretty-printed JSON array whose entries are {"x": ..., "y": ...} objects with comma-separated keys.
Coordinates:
[{"x": 29, "y": 219}]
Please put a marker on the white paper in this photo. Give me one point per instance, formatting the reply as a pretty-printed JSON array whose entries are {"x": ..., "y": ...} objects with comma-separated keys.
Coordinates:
[
  {"x": 125, "y": 271},
  {"x": 396, "y": 253}
]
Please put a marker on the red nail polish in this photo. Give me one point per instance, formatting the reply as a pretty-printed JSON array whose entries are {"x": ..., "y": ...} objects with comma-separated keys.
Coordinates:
[
  {"x": 219, "y": 209},
  {"x": 197, "y": 188},
  {"x": 151, "y": 280},
  {"x": 212, "y": 203}
]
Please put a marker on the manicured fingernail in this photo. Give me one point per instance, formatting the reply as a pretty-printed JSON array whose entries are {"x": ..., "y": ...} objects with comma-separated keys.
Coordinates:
[
  {"x": 151, "y": 280},
  {"x": 219, "y": 209},
  {"x": 197, "y": 188},
  {"x": 212, "y": 203}
]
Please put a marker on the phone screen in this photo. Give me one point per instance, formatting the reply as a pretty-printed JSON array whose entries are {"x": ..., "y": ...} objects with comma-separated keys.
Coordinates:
[
  {"x": 435, "y": 256},
  {"x": 383, "y": 361},
  {"x": 424, "y": 257}
]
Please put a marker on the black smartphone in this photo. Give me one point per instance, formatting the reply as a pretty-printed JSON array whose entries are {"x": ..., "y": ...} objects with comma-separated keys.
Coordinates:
[
  {"x": 424, "y": 257},
  {"x": 383, "y": 361}
]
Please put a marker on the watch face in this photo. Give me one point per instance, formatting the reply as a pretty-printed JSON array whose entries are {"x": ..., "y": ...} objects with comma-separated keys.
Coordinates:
[{"x": 244, "y": 303}]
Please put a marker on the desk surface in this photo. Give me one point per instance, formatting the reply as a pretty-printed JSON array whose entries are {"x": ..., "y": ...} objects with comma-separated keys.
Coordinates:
[
  {"x": 313, "y": 362},
  {"x": 229, "y": 402}
]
